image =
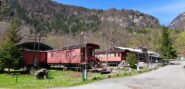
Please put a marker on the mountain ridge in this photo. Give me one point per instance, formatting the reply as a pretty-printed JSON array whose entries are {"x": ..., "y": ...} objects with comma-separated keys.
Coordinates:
[
  {"x": 62, "y": 24},
  {"x": 178, "y": 22},
  {"x": 60, "y": 18}
]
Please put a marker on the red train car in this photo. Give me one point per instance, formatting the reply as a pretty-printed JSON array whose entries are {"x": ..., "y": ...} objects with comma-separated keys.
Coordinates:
[
  {"x": 111, "y": 56},
  {"x": 31, "y": 57},
  {"x": 73, "y": 55},
  {"x": 64, "y": 56}
]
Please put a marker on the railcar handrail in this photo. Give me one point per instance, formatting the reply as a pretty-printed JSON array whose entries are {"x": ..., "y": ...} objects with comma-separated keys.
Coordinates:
[{"x": 92, "y": 58}]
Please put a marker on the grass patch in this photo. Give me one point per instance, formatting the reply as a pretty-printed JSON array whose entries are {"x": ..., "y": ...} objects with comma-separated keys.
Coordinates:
[{"x": 58, "y": 78}]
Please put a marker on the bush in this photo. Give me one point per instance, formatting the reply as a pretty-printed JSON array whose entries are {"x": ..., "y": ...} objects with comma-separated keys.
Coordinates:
[
  {"x": 132, "y": 60},
  {"x": 1, "y": 68}
]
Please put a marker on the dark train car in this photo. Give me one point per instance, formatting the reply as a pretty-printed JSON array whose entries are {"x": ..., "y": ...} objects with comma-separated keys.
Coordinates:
[
  {"x": 73, "y": 55},
  {"x": 35, "y": 58}
]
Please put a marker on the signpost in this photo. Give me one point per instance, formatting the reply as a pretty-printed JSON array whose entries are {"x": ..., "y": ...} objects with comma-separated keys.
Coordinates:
[
  {"x": 16, "y": 79},
  {"x": 84, "y": 72},
  {"x": 129, "y": 68}
]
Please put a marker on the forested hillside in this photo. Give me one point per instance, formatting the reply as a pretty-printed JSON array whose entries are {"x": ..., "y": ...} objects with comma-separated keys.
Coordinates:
[
  {"x": 63, "y": 23},
  {"x": 49, "y": 16}
]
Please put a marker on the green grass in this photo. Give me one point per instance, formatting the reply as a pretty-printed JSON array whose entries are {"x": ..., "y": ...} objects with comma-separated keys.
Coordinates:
[{"x": 58, "y": 78}]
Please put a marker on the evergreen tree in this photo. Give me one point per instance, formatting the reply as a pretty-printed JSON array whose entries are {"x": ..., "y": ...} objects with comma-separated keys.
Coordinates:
[
  {"x": 132, "y": 60},
  {"x": 10, "y": 55},
  {"x": 167, "y": 49}
]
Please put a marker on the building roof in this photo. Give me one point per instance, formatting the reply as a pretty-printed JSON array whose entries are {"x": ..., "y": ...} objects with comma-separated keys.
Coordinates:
[
  {"x": 109, "y": 51},
  {"x": 151, "y": 53},
  {"x": 129, "y": 49},
  {"x": 30, "y": 46}
]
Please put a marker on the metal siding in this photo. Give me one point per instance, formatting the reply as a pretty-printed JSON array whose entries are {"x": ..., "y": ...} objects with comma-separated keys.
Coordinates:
[
  {"x": 42, "y": 57},
  {"x": 28, "y": 57},
  {"x": 64, "y": 57},
  {"x": 110, "y": 59},
  {"x": 114, "y": 58}
]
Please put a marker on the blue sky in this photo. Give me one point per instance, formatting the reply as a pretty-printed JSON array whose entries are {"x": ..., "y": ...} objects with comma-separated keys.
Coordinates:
[{"x": 164, "y": 10}]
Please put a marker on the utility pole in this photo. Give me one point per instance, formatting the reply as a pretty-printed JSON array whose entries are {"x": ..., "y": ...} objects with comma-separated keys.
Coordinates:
[
  {"x": 84, "y": 65},
  {"x": 1, "y": 5},
  {"x": 36, "y": 47}
]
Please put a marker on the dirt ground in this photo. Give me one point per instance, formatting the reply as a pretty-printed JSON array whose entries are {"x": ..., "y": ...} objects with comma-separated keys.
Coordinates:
[{"x": 169, "y": 77}]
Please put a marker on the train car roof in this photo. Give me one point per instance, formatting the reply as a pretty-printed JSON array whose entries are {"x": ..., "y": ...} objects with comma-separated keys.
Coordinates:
[
  {"x": 34, "y": 50},
  {"x": 109, "y": 51},
  {"x": 138, "y": 51},
  {"x": 30, "y": 46},
  {"x": 95, "y": 46}
]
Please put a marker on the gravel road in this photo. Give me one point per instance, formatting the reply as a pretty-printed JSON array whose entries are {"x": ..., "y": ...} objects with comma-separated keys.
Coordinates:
[{"x": 169, "y": 77}]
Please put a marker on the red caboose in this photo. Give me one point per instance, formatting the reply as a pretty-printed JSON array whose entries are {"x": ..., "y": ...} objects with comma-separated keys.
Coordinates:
[{"x": 73, "y": 55}]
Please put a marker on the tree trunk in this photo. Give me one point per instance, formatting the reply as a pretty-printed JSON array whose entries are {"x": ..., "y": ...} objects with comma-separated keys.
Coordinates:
[{"x": 8, "y": 69}]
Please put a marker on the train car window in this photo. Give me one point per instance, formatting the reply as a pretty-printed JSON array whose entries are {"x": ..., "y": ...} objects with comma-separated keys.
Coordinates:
[
  {"x": 83, "y": 54},
  {"x": 93, "y": 52},
  {"x": 56, "y": 54},
  {"x": 114, "y": 54},
  {"x": 96, "y": 55},
  {"x": 118, "y": 54},
  {"x": 52, "y": 55}
]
